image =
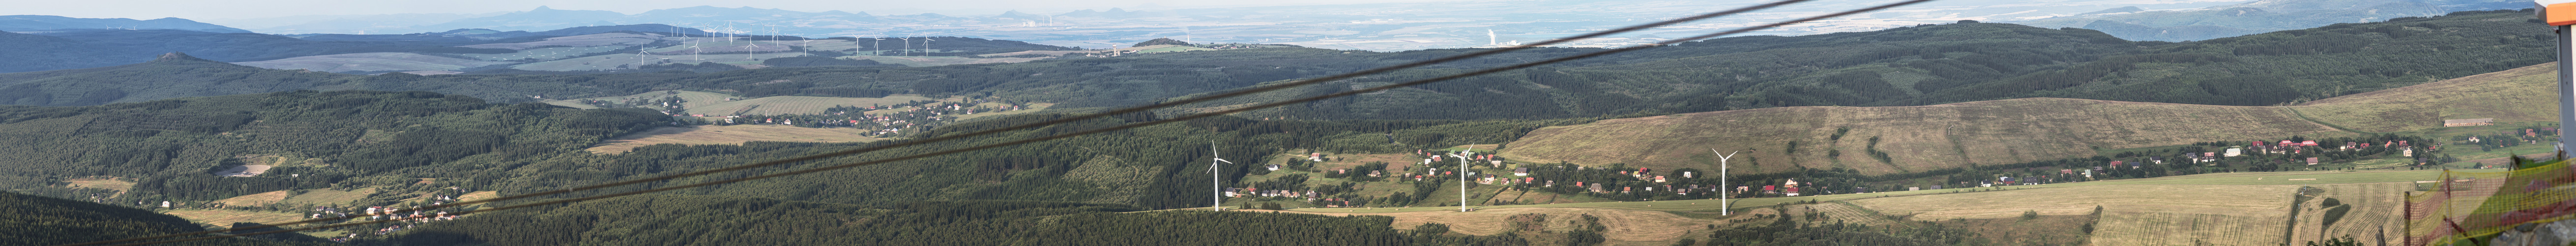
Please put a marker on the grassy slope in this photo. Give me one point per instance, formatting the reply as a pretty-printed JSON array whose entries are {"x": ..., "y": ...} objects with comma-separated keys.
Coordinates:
[
  {"x": 1916, "y": 138},
  {"x": 2222, "y": 208},
  {"x": 1920, "y": 138},
  {"x": 2511, "y": 96},
  {"x": 734, "y": 134}
]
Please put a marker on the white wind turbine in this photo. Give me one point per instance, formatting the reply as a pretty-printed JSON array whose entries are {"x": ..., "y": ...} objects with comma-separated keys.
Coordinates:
[
  {"x": 907, "y": 45},
  {"x": 1462, "y": 176},
  {"x": 1216, "y": 180},
  {"x": 925, "y": 46},
  {"x": 753, "y": 50},
  {"x": 877, "y": 45},
  {"x": 1722, "y": 208}
]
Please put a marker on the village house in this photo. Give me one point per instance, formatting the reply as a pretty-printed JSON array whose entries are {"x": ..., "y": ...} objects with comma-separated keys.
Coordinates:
[
  {"x": 2312, "y": 161},
  {"x": 1792, "y": 191},
  {"x": 1596, "y": 188},
  {"x": 1520, "y": 171}
]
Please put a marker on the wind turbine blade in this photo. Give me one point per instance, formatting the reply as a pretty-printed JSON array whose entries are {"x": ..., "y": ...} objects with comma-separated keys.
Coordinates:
[{"x": 1223, "y": 160}]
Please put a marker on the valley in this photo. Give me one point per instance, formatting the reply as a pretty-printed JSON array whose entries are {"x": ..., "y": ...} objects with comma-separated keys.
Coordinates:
[{"x": 1909, "y": 127}]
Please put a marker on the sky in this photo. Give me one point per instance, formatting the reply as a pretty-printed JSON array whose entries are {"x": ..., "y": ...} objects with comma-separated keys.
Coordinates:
[{"x": 246, "y": 9}]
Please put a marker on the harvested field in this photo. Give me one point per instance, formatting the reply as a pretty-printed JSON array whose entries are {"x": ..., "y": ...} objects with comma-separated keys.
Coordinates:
[
  {"x": 225, "y": 217},
  {"x": 733, "y": 134},
  {"x": 1923, "y": 138},
  {"x": 478, "y": 195},
  {"x": 2132, "y": 214},
  {"x": 1848, "y": 213},
  {"x": 1919, "y": 138},
  {"x": 1626, "y": 227},
  {"x": 261, "y": 199},
  {"x": 2377, "y": 214}
]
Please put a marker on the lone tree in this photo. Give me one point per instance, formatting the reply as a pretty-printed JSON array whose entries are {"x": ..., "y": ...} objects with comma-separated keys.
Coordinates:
[{"x": 1162, "y": 41}]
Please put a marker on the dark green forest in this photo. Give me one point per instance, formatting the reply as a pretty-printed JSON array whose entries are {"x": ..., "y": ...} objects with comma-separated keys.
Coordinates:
[
  {"x": 356, "y": 138},
  {"x": 37, "y": 220}
]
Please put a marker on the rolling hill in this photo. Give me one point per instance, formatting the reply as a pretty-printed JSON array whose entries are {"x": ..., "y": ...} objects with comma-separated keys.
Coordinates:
[
  {"x": 1920, "y": 138},
  {"x": 22, "y": 23},
  {"x": 37, "y": 220}
]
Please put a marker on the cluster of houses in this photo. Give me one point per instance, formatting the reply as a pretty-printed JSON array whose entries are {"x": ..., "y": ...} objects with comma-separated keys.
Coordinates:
[
  {"x": 914, "y": 115},
  {"x": 2404, "y": 148}
]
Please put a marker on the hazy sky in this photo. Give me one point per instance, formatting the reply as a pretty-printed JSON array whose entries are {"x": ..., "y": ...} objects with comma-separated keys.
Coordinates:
[{"x": 204, "y": 10}]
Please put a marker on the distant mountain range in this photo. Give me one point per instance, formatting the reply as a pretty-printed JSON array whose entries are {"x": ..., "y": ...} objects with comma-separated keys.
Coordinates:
[
  {"x": 1426, "y": 25},
  {"x": 2258, "y": 17},
  {"x": 86, "y": 48},
  {"x": 26, "y": 23}
]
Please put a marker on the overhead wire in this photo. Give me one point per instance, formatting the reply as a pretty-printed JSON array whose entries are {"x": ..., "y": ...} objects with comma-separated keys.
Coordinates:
[
  {"x": 1064, "y": 120},
  {"x": 1051, "y": 122}
]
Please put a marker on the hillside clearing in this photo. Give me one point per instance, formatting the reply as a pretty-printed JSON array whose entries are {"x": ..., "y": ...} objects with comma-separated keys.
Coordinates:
[
  {"x": 330, "y": 196},
  {"x": 1923, "y": 138},
  {"x": 261, "y": 199},
  {"x": 226, "y": 218},
  {"x": 733, "y": 134},
  {"x": 120, "y": 185}
]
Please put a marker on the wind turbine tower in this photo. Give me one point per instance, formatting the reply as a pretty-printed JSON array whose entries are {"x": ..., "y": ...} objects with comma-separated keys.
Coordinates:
[
  {"x": 1214, "y": 179},
  {"x": 1722, "y": 208},
  {"x": 1462, "y": 176}
]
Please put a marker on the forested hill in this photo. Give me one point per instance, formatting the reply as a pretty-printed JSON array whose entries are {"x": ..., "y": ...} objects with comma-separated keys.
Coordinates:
[
  {"x": 172, "y": 149},
  {"x": 1964, "y": 62},
  {"x": 37, "y": 220},
  {"x": 1921, "y": 65},
  {"x": 177, "y": 75}
]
